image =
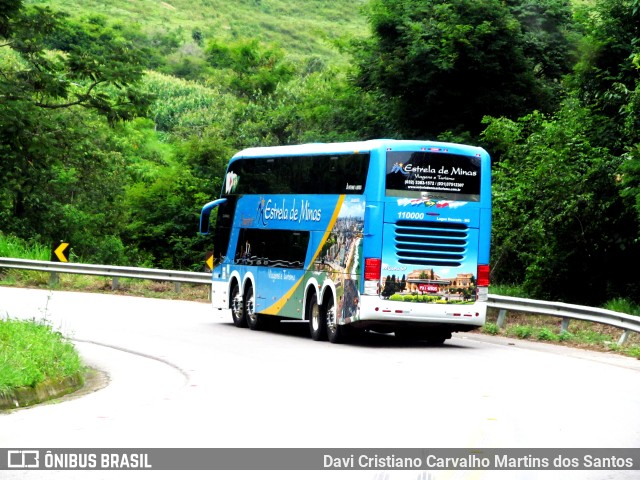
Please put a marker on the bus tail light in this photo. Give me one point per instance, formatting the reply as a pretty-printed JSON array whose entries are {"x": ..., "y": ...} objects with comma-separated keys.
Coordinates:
[
  {"x": 372, "y": 269},
  {"x": 483, "y": 276},
  {"x": 483, "y": 283}
]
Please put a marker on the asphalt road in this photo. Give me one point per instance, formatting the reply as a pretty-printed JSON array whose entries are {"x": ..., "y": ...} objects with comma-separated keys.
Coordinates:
[{"x": 179, "y": 374}]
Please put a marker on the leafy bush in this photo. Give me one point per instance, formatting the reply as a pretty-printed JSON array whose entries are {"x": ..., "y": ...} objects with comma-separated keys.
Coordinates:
[
  {"x": 623, "y": 305},
  {"x": 634, "y": 351},
  {"x": 561, "y": 191},
  {"x": 522, "y": 331},
  {"x": 565, "y": 336},
  {"x": 592, "y": 337},
  {"x": 491, "y": 328},
  {"x": 546, "y": 334},
  {"x": 508, "y": 290}
]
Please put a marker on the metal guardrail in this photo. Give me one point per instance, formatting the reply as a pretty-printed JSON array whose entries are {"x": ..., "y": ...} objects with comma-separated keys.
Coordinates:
[
  {"x": 112, "y": 271},
  {"x": 504, "y": 304},
  {"x": 566, "y": 312}
]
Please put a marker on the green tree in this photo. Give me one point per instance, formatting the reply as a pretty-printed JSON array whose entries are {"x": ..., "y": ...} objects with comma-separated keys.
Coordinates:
[
  {"x": 98, "y": 70},
  {"x": 560, "y": 227},
  {"x": 59, "y": 168},
  {"x": 442, "y": 65},
  {"x": 254, "y": 69},
  {"x": 608, "y": 74},
  {"x": 163, "y": 218},
  {"x": 608, "y": 81},
  {"x": 548, "y": 36},
  {"x": 8, "y": 9},
  {"x": 320, "y": 107},
  {"x": 73, "y": 191}
]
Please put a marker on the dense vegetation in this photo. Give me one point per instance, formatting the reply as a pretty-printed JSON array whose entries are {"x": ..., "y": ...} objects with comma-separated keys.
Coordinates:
[{"x": 116, "y": 123}]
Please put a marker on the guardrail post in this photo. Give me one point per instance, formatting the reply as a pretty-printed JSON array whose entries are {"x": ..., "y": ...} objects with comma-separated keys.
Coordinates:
[
  {"x": 502, "y": 317},
  {"x": 53, "y": 279},
  {"x": 565, "y": 325},
  {"x": 115, "y": 283},
  {"x": 623, "y": 337},
  {"x": 177, "y": 287}
]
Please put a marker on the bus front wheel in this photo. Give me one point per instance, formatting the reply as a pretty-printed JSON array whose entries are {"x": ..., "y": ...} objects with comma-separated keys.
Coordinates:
[{"x": 317, "y": 324}]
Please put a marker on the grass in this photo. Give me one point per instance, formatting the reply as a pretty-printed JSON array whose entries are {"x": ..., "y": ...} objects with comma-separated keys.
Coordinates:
[
  {"x": 16, "y": 248},
  {"x": 32, "y": 352},
  {"x": 623, "y": 305},
  {"x": 580, "y": 334}
]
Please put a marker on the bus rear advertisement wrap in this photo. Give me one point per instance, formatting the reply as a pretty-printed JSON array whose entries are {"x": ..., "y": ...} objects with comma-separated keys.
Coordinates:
[
  {"x": 387, "y": 236},
  {"x": 431, "y": 231}
]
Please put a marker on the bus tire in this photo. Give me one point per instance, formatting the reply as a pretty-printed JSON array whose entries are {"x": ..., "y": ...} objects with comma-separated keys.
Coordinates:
[
  {"x": 437, "y": 338},
  {"x": 252, "y": 319},
  {"x": 417, "y": 335},
  {"x": 317, "y": 321},
  {"x": 404, "y": 335},
  {"x": 237, "y": 307},
  {"x": 336, "y": 333}
]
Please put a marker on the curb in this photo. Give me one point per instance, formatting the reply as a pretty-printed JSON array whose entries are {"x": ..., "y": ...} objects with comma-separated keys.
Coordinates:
[{"x": 47, "y": 390}]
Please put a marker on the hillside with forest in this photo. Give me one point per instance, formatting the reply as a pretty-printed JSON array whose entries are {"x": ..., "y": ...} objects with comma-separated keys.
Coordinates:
[
  {"x": 117, "y": 118},
  {"x": 181, "y": 28}
]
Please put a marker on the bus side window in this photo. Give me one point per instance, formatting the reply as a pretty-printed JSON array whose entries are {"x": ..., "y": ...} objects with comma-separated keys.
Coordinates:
[{"x": 277, "y": 248}]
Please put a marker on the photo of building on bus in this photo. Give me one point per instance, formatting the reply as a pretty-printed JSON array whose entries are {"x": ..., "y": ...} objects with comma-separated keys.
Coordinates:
[{"x": 427, "y": 286}]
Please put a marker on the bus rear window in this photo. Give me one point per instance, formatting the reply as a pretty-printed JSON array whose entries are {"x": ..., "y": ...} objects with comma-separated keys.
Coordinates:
[{"x": 434, "y": 175}]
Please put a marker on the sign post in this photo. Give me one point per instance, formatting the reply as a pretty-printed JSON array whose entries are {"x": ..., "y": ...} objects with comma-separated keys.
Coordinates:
[{"x": 59, "y": 253}]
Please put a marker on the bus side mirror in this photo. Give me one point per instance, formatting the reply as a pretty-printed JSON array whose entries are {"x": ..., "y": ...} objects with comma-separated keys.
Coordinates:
[
  {"x": 205, "y": 214},
  {"x": 204, "y": 223}
]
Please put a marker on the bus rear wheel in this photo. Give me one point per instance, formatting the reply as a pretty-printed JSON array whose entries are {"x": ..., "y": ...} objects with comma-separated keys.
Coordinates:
[
  {"x": 336, "y": 333},
  {"x": 253, "y": 320},
  {"x": 317, "y": 323},
  {"x": 237, "y": 307}
]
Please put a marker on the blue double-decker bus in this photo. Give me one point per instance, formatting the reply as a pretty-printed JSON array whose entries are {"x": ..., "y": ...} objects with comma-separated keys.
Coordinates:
[{"x": 389, "y": 236}]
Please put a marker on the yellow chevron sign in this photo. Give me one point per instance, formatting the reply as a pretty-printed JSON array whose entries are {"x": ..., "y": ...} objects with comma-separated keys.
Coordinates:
[
  {"x": 209, "y": 260},
  {"x": 60, "y": 252}
]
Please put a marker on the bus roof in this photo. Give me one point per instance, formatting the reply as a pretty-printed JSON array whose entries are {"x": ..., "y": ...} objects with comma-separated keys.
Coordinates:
[{"x": 353, "y": 147}]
